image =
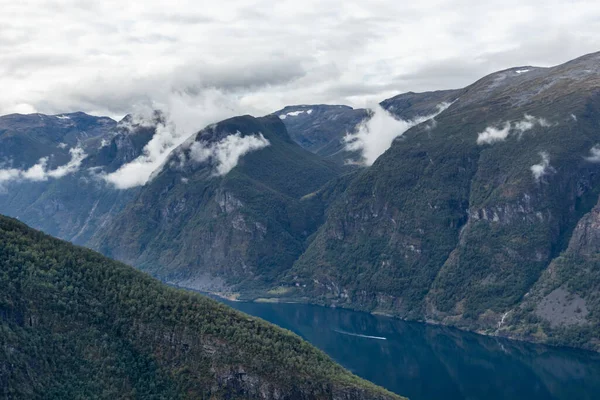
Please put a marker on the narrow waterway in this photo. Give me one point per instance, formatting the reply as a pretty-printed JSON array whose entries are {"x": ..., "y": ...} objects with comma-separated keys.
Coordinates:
[{"x": 427, "y": 362}]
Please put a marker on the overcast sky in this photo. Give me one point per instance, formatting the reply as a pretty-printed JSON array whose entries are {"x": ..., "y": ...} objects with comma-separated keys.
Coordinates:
[{"x": 112, "y": 57}]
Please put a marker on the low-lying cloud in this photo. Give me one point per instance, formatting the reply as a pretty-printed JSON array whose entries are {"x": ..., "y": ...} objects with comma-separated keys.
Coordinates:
[
  {"x": 493, "y": 134},
  {"x": 529, "y": 122},
  {"x": 543, "y": 168},
  {"x": 226, "y": 153},
  {"x": 375, "y": 135},
  {"x": 499, "y": 133},
  {"x": 184, "y": 115},
  {"x": 40, "y": 172},
  {"x": 594, "y": 154}
]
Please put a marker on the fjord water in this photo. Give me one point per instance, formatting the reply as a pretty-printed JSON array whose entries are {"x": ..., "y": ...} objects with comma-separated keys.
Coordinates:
[{"x": 431, "y": 362}]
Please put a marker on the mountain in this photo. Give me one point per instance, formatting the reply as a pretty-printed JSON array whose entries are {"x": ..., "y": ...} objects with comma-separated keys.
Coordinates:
[
  {"x": 75, "y": 324},
  {"x": 77, "y": 203},
  {"x": 460, "y": 219},
  {"x": 24, "y": 139},
  {"x": 411, "y": 106},
  {"x": 321, "y": 128},
  {"x": 202, "y": 229}
]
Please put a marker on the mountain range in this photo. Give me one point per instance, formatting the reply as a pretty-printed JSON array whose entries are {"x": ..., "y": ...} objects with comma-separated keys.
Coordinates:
[{"x": 481, "y": 212}]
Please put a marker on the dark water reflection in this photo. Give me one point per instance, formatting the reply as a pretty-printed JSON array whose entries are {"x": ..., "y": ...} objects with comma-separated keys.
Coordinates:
[{"x": 431, "y": 362}]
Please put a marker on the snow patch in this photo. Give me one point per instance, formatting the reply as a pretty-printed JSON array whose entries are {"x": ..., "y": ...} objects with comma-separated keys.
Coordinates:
[
  {"x": 104, "y": 143},
  {"x": 295, "y": 113}
]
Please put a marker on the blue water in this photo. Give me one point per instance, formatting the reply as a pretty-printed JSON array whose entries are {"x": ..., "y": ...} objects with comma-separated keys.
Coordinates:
[{"x": 426, "y": 362}]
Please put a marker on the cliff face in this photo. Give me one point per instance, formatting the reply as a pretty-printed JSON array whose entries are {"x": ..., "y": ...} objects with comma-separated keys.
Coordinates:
[
  {"x": 562, "y": 307},
  {"x": 74, "y": 324}
]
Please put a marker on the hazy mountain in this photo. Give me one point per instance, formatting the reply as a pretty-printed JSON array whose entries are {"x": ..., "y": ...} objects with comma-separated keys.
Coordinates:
[
  {"x": 77, "y": 325},
  {"x": 24, "y": 139}
]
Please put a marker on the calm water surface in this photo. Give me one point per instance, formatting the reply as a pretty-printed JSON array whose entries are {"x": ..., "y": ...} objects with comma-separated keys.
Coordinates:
[{"x": 430, "y": 362}]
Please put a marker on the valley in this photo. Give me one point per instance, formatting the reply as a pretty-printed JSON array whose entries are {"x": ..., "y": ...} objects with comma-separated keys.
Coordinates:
[{"x": 480, "y": 215}]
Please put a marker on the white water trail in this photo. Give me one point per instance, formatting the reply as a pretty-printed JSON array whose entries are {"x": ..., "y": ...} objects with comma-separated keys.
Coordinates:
[{"x": 359, "y": 335}]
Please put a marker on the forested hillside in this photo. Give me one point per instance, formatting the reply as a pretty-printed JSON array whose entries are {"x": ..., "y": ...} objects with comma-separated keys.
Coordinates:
[{"x": 74, "y": 324}]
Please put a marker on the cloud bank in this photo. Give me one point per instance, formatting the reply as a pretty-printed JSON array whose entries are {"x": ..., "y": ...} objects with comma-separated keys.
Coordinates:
[
  {"x": 72, "y": 55},
  {"x": 40, "y": 172},
  {"x": 226, "y": 153},
  {"x": 375, "y": 135}
]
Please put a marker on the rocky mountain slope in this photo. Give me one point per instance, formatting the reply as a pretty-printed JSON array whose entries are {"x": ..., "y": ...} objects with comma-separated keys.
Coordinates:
[
  {"x": 74, "y": 324},
  {"x": 24, "y": 139}
]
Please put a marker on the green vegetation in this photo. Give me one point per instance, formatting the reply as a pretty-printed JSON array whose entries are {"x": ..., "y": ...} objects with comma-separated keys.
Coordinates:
[{"x": 77, "y": 325}]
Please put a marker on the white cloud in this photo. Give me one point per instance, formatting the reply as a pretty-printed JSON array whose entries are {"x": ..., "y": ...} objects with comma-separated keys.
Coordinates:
[
  {"x": 493, "y": 134},
  {"x": 529, "y": 122},
  {"x": 226, "y": 153},
  {"x": 184, "y": 115},
  {"x": 543, "y": 168},
  {"x": 40, "y": 172},
  {"x": 594, "y": 154},
  {"x": 375, "y": 135},
  {"x": 77, "y": 157}
]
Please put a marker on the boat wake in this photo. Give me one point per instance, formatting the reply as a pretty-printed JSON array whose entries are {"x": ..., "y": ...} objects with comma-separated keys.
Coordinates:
[{"x": 359, "y": 335}]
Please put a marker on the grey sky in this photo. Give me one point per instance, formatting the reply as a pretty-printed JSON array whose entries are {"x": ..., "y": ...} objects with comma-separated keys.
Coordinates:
[{"x": 238, "y": 56}]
